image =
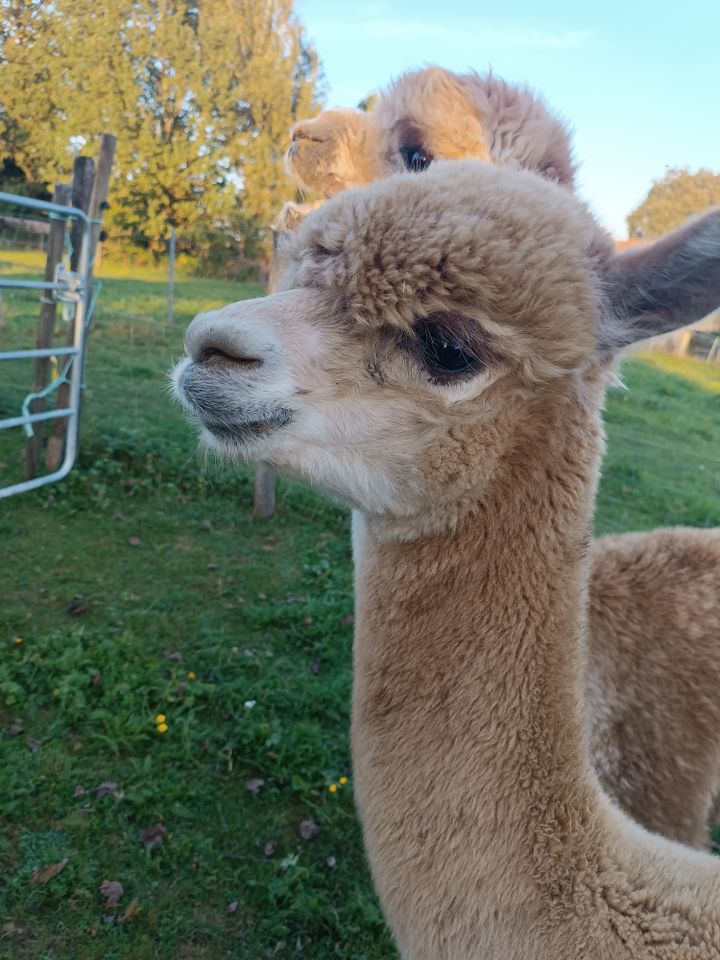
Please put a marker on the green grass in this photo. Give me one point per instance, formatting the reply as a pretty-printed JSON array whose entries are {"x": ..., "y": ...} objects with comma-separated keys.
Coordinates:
[{"x": 255, "y": 611}]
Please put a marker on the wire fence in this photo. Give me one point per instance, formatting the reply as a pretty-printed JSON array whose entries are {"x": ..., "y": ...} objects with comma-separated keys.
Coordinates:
[{"x": 23, "y": 233}]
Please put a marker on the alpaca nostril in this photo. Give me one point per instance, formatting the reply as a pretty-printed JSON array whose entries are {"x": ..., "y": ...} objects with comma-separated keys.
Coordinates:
[{"x": 217, "y": 357}]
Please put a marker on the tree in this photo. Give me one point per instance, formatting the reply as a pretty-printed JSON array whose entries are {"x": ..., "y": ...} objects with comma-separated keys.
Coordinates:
[
  {"x": 671, "y": 200},
  {"x": 29, "y": 64},
  {"x": 201, "y": 97},
  {"x": 269, "y": 79}
]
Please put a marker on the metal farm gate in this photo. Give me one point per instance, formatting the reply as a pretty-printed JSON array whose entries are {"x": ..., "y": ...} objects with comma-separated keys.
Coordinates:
[{"x": 55, "y": 396}]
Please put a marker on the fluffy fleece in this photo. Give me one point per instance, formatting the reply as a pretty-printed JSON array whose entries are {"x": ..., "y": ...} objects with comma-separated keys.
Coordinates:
[
  {"x": 662, "y": 765},
  {"x": 449, "y": 116},
  {"x": 488, "y": 833}
]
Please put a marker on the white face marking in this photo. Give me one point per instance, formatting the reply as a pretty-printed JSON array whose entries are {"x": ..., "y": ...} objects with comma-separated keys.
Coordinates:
[
  {"x": 330, "y": 434},
  {"x": 319, "y": 400}
]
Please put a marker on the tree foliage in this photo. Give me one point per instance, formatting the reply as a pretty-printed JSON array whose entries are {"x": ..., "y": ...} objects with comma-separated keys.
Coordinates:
[
  {"x": 671, "y": 200},
  {"x": 200, "y": 95}
]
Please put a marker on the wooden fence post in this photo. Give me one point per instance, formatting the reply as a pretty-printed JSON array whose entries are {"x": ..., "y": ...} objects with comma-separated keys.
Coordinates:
[
  {"x": 683, "y": 343},
  {"x": 62, "y": 194},
  {"x": 171, "y": 277},
  {"x": 264, "y": 492},
  {"x": 82, "y": 184},
  {"x": 96, "y": 200}
]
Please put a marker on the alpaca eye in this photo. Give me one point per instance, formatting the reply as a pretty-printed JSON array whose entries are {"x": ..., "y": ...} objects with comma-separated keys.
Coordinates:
[
  {"x": 416, "y": 159},
  {"x": 444, "y": 357}
]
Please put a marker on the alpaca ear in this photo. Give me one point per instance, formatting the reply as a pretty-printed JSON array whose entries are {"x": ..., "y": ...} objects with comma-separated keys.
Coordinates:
[{"x": 663, "y": 286}]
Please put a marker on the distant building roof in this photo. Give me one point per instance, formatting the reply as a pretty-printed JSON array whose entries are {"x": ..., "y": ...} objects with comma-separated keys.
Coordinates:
[{"x": 624, "y": 244}]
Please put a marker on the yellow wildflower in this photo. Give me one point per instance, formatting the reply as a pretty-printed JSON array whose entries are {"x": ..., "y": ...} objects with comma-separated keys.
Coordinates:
[
  {"x": 160, "y": 718},
  {"x": 19, "y": 640},
  {"x": 333, "y": 788},
  {"x": 191, "y": 674},
  {"x": 342, "y": 781},
  {"x": 162, "y": 727}
]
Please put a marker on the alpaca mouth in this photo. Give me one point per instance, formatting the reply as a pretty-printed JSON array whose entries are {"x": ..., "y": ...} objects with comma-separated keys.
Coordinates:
[
  {"x": 244, "y": 431},
  {"x": 212, "y": 396}
]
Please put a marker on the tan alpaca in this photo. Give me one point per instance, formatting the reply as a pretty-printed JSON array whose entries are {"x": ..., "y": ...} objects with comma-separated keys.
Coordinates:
[
  {"x": 425, "y": 115},
  {"x": 438, "y": 361},
  {"x": 654, "y": 660},
  {"x": 335, "y": 150}
]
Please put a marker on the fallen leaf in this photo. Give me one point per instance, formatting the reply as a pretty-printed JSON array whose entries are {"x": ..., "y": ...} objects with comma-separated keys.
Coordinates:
[
  {"x": 212, "y": 566},
  {"x": 113, "y": 892},
  {"x": 308, "y": 621},
  {"x": 173, "y": 655},
  {"x": 255, "y": 785},
  {"x": 33, "y": 744},
  {"x": 308, "y": 829},
  {"x": 349, "y": 618},
  {"x": 262, "y": 596},
  {"x": 45, "y": 874},
  {"x": 106, "y": 787},
  {"x": 315, "y": 665},
  {"x": 14, "y": 729},
  {"x": 132, "y": 911},
  {"x": 232, "y": 907},
  {"x": 80, "y": 791},
  {"x": 96, "y": 680},
  {"x": 330, "y": 862},
  {"x": 270, "y": 848},
  {"x": 11, "y": 929},
  {"x": 77, "y": 607},
  {"x": 134, "y": 541},
  {"x": 206, "y": 525},
  {"x": 152, "y": 837}
]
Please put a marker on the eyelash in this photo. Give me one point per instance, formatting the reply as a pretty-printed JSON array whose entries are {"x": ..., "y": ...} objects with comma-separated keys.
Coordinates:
[
  {"x": 416, "y": 159},
  {"x": 443, "y": 356}
]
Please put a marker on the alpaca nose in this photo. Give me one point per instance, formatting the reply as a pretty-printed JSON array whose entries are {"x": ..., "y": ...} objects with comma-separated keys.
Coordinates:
[
  {"x": 214, "y": 355},
  {"x": 219, "y": 344}
]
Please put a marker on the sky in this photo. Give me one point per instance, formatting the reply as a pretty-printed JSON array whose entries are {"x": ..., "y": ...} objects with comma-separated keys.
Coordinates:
[{"x": 638, "y": 82}]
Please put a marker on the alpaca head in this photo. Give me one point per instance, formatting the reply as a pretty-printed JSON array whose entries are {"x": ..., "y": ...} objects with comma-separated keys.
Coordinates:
[
  {"x": 334, "y": 150},
  {"x": 425, "y": 324},
  {"x": 426, "y": 115}
]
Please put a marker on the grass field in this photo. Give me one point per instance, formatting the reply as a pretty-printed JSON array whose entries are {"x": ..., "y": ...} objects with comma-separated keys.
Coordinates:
[{"x": 141, "y": 587}]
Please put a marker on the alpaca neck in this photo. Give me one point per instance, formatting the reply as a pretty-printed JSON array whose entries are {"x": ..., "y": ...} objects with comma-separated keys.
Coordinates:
[
  {"x": 468, "y": 729},
  {"x": 486, "y": 830}
]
